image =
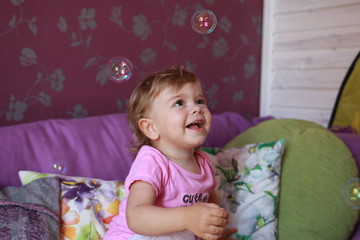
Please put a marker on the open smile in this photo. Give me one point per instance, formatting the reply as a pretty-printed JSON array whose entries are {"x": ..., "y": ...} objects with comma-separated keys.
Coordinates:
[{"x": 195, "y": 125}]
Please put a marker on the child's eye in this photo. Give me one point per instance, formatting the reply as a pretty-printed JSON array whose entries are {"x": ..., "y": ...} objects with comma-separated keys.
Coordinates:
[
  {"x": 201, "y": 101},
  {"x": 179, "y": 103}
]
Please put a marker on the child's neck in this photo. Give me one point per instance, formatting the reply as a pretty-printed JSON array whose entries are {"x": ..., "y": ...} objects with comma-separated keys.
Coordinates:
[{"x": 185, "y": 159}]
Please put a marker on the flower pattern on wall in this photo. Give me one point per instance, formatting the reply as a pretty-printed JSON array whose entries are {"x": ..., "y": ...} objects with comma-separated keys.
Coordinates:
[{"x": 54, "y": 55}]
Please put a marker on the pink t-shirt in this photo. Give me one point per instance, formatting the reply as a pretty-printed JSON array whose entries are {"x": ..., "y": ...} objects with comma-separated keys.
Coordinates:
[{"x": 173, "y": 185}]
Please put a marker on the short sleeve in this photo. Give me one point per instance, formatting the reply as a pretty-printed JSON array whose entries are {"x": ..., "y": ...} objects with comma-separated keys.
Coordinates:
[{"x": 149, "y": 166}]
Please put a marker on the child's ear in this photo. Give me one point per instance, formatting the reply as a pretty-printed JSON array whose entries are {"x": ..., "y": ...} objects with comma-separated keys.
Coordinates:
[{"x": 148, "y": 127}]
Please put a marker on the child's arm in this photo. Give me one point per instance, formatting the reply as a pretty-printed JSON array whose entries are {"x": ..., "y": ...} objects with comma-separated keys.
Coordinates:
[{"x": 206, "y": 220}]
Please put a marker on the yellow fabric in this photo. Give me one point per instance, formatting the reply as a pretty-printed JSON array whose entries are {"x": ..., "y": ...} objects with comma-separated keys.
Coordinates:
[
  {"x": 348, "y": 108},
  {"x": 356, "y": 122}
]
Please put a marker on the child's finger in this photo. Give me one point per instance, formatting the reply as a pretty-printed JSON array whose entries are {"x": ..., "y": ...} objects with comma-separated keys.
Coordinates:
[
  {"x": 219, "y": 221},
  {"x": 219, "y": 212}
]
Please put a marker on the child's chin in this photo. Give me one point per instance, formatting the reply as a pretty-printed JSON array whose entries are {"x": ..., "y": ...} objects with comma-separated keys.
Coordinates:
[
  {"x": 197, "y": 140},
  {"x": 199, "y": 143}
]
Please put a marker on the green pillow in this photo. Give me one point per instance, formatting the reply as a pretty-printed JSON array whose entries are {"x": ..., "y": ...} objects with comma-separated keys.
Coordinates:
[{"x": 316, "y": 165}]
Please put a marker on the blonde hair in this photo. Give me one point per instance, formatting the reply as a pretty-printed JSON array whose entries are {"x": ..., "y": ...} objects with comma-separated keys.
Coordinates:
[{"x": 147, "y": 90}]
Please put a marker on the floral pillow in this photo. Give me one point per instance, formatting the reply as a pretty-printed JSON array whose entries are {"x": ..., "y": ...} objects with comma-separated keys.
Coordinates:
[
  {"x": 248, "y": 187},
  {"x": 87, "y": 204}
]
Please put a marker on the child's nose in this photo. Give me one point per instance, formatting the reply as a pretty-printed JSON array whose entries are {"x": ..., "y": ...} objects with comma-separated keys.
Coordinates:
[{"x": 196, "y": 108}]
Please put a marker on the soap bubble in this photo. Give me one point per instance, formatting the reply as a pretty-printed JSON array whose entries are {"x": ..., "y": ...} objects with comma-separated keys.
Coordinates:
[
  {"x": 203, "y": 21},
  {"x": 351, "y": 193},
  {"x": 58, "y": 167},
  {"x": 119, "y": 69}
]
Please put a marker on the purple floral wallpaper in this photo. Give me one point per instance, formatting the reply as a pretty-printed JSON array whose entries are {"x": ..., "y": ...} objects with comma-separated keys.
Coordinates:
[{"x": 54, "y": 54}]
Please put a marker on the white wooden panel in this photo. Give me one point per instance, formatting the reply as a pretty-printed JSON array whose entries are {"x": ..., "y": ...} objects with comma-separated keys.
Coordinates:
[
  {"x": 304, "y": 98},
  {"x": 340, "y": 58},
  {"x": 320, "y": 116},
  {"x": 318, "y": 19},
  {"x": 309, "y": 46},
  {"x": 339, "y": 37},
  {"x": 310, "y": 78},
  {"x": 286, "y": 6},
  {"x": 266, "y": 57}
]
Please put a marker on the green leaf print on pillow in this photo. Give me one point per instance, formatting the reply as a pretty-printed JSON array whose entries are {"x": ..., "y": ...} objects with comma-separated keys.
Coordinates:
[{"x": 248, "y": 187}]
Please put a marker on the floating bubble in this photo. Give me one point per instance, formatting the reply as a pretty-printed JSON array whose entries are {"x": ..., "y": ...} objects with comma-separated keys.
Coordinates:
[
  {"x": 351, "y": 193},
  {"x": 58, "y": 167},
  {"x": 203, "y": 21},
  {"x": 119, "y": 69}
]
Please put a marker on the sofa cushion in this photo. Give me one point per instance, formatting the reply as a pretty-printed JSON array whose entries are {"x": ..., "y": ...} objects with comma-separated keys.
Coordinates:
[
  {"x": 31, "y": 211},
  {"x": 87, "y": 204},
  {"x": 90, "y": 147},
  {"x": 248, "y": 187},
  {"x": 316, "y": 165}
]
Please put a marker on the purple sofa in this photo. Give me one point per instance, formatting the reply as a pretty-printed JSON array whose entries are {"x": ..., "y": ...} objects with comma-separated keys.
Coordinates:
[
  {"x": 91, "y": 147},
  {"x": 97, "y": 146}
]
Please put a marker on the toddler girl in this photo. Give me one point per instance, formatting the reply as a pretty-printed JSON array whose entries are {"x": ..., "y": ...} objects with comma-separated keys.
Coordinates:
[{"x": 170, "y": 185}]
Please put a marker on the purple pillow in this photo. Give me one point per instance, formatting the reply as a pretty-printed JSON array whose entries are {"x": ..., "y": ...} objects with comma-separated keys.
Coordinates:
[
  {"x": 228, "y": 125},
  {"x": 353, "y": 143},
  {"x": 89, "y": 147},
  {"x": 94, "y": 147}
]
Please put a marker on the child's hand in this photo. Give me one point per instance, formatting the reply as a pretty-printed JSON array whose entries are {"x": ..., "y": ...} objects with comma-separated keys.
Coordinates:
[{"x": 207, "y": 220}]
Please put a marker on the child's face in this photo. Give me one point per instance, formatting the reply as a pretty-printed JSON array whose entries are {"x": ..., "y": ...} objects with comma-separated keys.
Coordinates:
[{"x": 181, "y": 117}]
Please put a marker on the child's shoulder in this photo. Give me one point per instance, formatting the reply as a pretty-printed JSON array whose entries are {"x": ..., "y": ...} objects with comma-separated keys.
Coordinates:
[
  {"x": 147, "y": 149},
  {"x": 149, "y": 153}
]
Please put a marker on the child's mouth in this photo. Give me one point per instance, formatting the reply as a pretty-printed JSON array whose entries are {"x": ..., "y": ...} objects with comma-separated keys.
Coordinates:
[{"x": 195, "y": 125}]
